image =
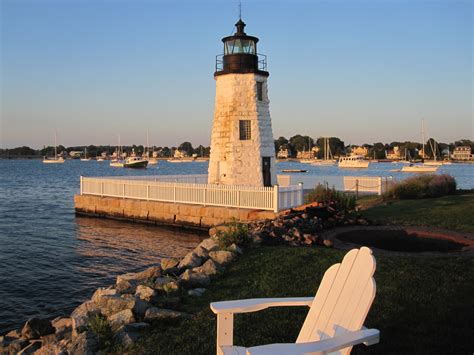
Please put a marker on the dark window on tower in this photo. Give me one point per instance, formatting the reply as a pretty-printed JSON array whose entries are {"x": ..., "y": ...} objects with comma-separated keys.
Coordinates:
[
  {"x": 244, "y": 130},
  {"x": 259, "y": 91}
]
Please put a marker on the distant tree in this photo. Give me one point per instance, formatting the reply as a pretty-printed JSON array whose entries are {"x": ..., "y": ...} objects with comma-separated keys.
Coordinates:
[
  {"x": 20, "y": 151},
  {"x": 378, "y": 151},
  {"x": 200, "y": 151},
  {"x": 301, "y": 143},
  {"x": 186, "y": 147}
]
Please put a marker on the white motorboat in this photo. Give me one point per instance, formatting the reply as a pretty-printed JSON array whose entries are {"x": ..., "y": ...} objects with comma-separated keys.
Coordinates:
[
  {"x": 135, "y": 162},
  {"x": 419, "y": 168},
  {"x": 353, "y": 162},
  {"x": 117, "y": 163}
]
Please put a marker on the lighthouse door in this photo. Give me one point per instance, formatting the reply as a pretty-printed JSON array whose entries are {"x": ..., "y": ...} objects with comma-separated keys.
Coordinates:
[{"x": 267, "y": 180}]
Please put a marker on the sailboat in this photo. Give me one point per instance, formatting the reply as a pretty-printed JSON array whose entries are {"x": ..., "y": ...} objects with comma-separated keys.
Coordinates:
[
  {"x": 327, "y": 161},
  {"x": 85, "y": 155},
  {"x": 420, "y": 168},
  {"x": 117, "y": 162},
  {"x": 151, "y": 160},
  {"x": 55, "y": 159}
]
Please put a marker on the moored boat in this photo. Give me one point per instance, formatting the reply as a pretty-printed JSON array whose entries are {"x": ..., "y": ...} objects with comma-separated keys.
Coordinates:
[
  {"x": 419, "y": 168},
  {"x": 135, "y": 163},
  {"x": 353, "y": 162}
]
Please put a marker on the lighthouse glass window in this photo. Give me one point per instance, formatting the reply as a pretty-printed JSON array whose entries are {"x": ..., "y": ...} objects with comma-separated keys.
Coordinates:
[{"x": 244, "y": 130}]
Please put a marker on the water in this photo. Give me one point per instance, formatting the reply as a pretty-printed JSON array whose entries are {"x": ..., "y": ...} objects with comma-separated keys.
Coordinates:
[{"x": 50, "y": 260}]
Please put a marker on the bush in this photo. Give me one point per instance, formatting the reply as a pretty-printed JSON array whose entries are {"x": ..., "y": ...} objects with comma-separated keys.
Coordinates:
[
  {"x": 325, "y": 195},
  {"x": 423, "y": 186},
  {"x": 235, "y": 232},
  {"x": 100, "y": 326}
]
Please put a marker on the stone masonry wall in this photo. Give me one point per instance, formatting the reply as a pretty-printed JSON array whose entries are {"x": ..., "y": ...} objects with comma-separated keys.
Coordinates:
[
  {"x": 234, "y": 161},
  {"x": 163, "y": 213}
]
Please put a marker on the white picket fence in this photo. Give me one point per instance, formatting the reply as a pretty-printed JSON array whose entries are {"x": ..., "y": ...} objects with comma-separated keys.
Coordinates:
[
  {"x": 158, "y": 189},
  {"x": 367, "y": 184}
]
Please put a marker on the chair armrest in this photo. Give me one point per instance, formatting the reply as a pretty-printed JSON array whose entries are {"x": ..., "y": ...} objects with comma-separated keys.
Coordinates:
[
  {"x": 366, "y": 336},
  {"x": 258, "y": 304}
]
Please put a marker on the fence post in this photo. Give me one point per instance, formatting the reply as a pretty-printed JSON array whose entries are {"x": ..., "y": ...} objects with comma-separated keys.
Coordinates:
[
  {"x": 357, "y": 188},
  {"x": 380, "y": 186},
  {"x": 81, "y": 185},
  {"x": 102, "y": 189},
  {"x": 204, "y": 191},
  {"x": 276, "y": 193},
  {"x": 174, "y": 192},
  {"x": 300, "y": 197}
]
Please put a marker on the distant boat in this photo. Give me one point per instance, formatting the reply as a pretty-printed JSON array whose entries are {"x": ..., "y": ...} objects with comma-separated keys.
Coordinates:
[
  {"x": 85, "y": 156},
  {"x": 327, "y": 160},
  {"x": 55, "y": 159},
  {"x": 135, "y": 162},
  {"x": 294, "y": 171},
  {"x": 181, "y": 160},
  {"x": 99, "y": 159},
  {"x": 418, "y": 168},
  {"x": 117, "y": 162},
  {"x": 353, "y": 162}
]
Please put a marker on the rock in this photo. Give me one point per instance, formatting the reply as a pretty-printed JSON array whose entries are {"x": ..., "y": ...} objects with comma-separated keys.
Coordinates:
[
  {"x": 109, "y": 305},
  {"x": 13, "y": 334},
  {"x": 327, "y": 243},
  {"x": 126, "y": 338},
  {"x": 30, "y": 349},
  {"x": 126, "y": 286},
  {"x": 160, "y": 282},
  {"x": 215, "y": 231},
  {"x": 191, "y": 260},
  {"x": 139, "y": 306},
  {"x": 171, "y": 287},
  {"x": 80, "y": 316},
  {"x": 194, "y": 279},
  {"x": 210, "y": 244},
  {"x": 121, "y": 318},
  {"x": 145, "y": 293},
  {"x": 222, "y": 257},
  {"x": 16, "y": 345},
  {"x": 100, "y": 292},
  {"x": 209, "y": 268},
  {"x": 61, "y": 322},
  {"x": 34, "y": 328},
  {"x": 166, "y": 285},
  {"x": 84, "y": 344},
  {"x": 234, "y": 248},
  {"x": 197, "y": 292},
  {"x": 169, "y": 263},
  {"x": 136, "y": 327},
  {"x": 155, "y": 313},
  {"x": 201, "y": 252},
  {"x": 147, "y": 275}
]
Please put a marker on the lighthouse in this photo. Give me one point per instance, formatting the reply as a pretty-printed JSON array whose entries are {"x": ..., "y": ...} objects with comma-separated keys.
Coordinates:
[{"x": 242, "y": 146}]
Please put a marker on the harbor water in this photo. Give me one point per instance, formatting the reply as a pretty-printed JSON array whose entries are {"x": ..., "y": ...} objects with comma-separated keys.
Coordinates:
[{"x": 51, "y": 260}]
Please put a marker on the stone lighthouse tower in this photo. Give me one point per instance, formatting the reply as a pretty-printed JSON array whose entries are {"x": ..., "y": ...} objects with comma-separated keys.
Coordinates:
[{"x": 242, "y": 147}]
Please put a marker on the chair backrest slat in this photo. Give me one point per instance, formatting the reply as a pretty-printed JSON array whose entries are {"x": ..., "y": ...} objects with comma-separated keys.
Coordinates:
[{"x": 343, "y": 298}]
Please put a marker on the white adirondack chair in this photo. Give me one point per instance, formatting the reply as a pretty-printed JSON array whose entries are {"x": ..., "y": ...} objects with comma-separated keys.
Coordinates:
[{"x": 335, "y": 319}]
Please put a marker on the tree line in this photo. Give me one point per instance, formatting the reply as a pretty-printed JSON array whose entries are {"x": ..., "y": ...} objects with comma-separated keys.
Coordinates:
[{"x": 293, "y": 145}]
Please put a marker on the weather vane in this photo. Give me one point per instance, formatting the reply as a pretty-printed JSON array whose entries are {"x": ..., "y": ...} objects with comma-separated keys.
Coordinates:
[{"x": 240, "y": 10}]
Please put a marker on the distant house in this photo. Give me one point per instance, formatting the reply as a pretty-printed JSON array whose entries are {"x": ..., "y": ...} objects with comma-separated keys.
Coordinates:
[
  {"x": 180, "y": 154},
  {"x": 307, "y": 155},
  {"x": 462, "y": 153},
  {"x": 282, "y": 153},
  {"x": 394, "y": 153},
  {"x": 75, "y": 154},
  {"x": 356, "y": 150}
]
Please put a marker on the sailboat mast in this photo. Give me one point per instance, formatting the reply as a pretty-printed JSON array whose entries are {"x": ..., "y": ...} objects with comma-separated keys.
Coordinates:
[
  {"x": 55, "y": 145},
  {"x": 423, "y": 138}
]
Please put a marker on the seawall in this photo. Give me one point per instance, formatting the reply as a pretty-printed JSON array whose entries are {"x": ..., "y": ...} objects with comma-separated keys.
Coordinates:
[{"x": 164, "y": 213}]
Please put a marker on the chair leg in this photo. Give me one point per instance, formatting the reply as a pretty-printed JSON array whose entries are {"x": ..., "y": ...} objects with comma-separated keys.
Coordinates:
[{"x": 225, "y": 331}]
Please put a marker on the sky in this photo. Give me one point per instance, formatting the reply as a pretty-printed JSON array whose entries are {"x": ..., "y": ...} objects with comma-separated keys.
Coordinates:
[{"x": 363, "y": 71}]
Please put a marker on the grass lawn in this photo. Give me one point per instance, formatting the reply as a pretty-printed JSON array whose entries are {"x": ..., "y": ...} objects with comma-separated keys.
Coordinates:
[
  {"x": 422, "y": 306},
  {"x": 450, "y": 212}
]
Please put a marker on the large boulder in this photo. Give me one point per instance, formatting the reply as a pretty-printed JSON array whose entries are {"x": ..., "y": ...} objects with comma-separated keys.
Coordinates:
[
  {"x": 193, "y": 279},
  {"x": 84, "y": 344},
  {"x": 145, "y": 293},
  {"x": 139, "y": 306},
  {"x": 168, "y": 263},
  {"x": 222, "y": 257},
  {"x": 61, "y": 323},
  {"x": 35, "y": 328},
  {"x": 128, "y": 282},
  {"x": 15, "y": 346},
  {"x": 121, "y": 318},
  {"x": 201, "y": 252},
  {"x": 210, "y": 244},
  {"x": 81, "y": 315},
  {"x": 109, "y": 305},
  {"x": 100, "y": 292},
  {"x": 31, "y": 348},
  {"x": 209, "y": 268},
  {"x": 234, "y": 248},
  {"x": 155, "y": 313},
  {"x": 191, "y": 260}
]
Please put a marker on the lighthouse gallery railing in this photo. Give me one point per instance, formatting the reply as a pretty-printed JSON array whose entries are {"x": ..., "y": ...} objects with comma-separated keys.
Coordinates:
[{"x": 250, "y": 197}]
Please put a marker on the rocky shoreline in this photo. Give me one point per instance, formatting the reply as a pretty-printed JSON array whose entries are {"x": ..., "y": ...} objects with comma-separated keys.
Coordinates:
[{"x": 123, "y": 312}]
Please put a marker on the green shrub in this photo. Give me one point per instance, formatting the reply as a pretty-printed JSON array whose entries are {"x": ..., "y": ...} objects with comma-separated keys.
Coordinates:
[
  {"x": 323, "y": 194},
  {"x": 423, "y": 186},
  {"x": 100, "y": 326},
  {"x": 235, "y": 232}
]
